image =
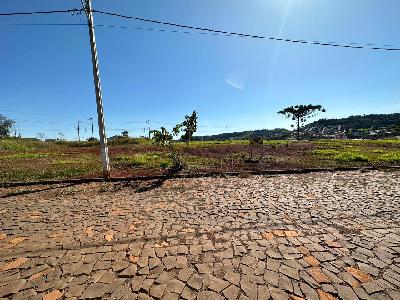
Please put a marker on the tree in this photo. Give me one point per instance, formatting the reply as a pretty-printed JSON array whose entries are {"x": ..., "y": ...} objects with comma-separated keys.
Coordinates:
[
  {"x": 189, "y": 127},
  {"x": 300, "y": 114},
  {"x": 6, "y": 125},
  {"x": 163, "y": 137},
  {"x": 41, "y": 136},
  {"x": 125, "y": 133}
]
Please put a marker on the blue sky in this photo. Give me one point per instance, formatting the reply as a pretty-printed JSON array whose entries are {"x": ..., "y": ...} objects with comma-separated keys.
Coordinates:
[{"x": 234, "y": 83}]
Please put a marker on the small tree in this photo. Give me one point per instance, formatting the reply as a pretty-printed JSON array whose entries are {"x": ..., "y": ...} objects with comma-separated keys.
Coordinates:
[
  {"x": 163, "y": 137},
  {"x": 125, "y": 133},
  {"x": 300, "y": 114},
  {"x": 6, "y": 125},
  {"x": 189, "y": 127},
  {"x": 41, "y": 136}
]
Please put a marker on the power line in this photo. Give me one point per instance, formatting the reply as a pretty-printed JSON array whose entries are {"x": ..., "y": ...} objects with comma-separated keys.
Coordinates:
[
  {"x": 202, "y": 30},
  {"x": 165, "y": 30},
  {"x": 227, "y": 33},
  {"x": 43, "y": 24},
  {"x": 72, "y": 10}
]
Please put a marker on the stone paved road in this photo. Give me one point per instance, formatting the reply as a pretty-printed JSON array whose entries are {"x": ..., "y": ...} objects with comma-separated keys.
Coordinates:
[{"x": 312, "y": 236}]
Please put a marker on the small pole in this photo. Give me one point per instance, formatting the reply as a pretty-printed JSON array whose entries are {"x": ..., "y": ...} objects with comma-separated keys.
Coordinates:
[
  {"x": 91, "y": 120},
  {"x": 99, "y": 100},
  {"x": 79, "y": 137}
]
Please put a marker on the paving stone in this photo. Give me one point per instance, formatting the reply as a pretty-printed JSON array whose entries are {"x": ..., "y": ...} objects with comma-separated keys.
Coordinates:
[
  {"x": 308, "y": 291},
  {"x": 137, "y": 282},
  {"x": 249, "y": 289},
  {"x": 233, "y": 277},
  {"x": 217, "y": 285},
  {"x": 345, "y": 292},
  {"x": 263, "y": 292},
  {"x": 231, "y": 292},
  {"x": 325, "y": 296},
  {"x": 291, "y": 272},
  {"x": 12, "y": 288},
  {"x": 195, "y": 282},
  {"x": 277, "y": 294},
  {"x": 53, "y": 295},
  {"x": 169, "y": 262},
  {"x": 129, "y": 272},
  {"x": 204, "y": 268},
  {"x": 95, "y": 290},
  {"x": 188, "y": 294},
  {"x": 318, "y": 275},
  {"x": 285, "y": 283},
  {"x": 157, "y": 290},
  {"x": 271, "y": 278},
  {"x": 107, "y": 278},
  {"x": 309, "y": 236},
  {"x": 75, "y": 290},
  {"x": 361, "y": 293},
  {"x": 371, "y": 287},
  {"x": 209, "y": 295},
  {"x": 144, "y": 296},
  {"x": 175, "y": 286}
]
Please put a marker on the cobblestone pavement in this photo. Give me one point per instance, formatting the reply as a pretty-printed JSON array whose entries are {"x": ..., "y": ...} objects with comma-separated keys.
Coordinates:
[{"x": 312, "y": 236}]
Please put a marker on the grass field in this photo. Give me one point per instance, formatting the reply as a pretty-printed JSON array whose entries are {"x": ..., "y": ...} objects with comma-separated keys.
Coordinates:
[{"x": 29, "y": 160}]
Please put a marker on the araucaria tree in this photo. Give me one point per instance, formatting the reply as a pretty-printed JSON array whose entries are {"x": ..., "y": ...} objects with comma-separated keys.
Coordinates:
[
  {"x": 189, "y": 127},
  {"x": 6, "y": 125},
  {"x": 300, "y": 114}
]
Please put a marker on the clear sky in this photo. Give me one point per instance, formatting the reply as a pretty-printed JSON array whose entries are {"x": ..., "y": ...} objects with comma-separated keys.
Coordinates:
[{"x": 234, "y": 83}]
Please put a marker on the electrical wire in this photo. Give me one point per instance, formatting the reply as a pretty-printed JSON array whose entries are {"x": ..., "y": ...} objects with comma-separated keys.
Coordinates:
[
  {"x": 72, "y": 10},
  {"x": 203, "y": 30},
  {"x": 227, "y": 33}
]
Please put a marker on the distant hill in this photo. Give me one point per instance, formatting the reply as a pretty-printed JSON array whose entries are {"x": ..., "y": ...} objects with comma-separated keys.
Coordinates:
[
  {"x": 271, "y": 134},
  {"x": 366, "y": 126},
  {"x": 373, "y": 121}
]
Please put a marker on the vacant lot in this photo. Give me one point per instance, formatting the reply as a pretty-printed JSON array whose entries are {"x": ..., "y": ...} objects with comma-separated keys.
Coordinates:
[
  {"x": 24, "y": 160},
  {"x": 314, "y": 236}
]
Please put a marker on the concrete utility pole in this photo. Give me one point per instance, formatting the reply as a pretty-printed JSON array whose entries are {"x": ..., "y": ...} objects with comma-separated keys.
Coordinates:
[
  {"x": 102, "y": 131},
  {"x": 91, "y": 120},
  {"x": 77, "y": 128}
]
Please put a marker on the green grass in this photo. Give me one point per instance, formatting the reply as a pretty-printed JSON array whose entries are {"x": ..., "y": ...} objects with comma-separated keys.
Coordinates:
[
  {"x": 325, "y": 152},
  {"x": 358, "y": 151},
  {"x": 391, "y": 157},
  {"x": 148, "y": 160},
  {"x": 31, "y": 160},
  {"x": 351, "y": 157},
  {"x": 29, "y": 155},
  {"x": 21, "y": 145},
  {"x": 357, "y": 143}
]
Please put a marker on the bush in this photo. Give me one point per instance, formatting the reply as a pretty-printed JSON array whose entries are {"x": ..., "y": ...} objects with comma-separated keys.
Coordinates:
[{"x": 178, "y": 163}]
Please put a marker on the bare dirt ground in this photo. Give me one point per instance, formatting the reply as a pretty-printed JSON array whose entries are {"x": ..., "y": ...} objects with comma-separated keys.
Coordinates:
[{"x": 310, "y": 236}]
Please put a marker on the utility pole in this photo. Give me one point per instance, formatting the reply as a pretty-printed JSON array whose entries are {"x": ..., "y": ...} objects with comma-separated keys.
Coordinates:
[
  {"x": 148, "y": 128},
  {"x": 78, "y": 129},
  {"x": 91, "y": 120},
  {"x": 96, "y": 76}
]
